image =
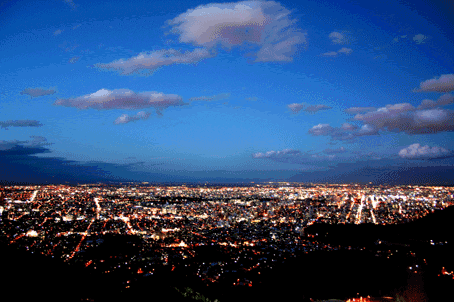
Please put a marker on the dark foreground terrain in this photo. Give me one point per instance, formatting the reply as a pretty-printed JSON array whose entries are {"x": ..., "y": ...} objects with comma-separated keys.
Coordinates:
[{"x": 375, "y": 260}]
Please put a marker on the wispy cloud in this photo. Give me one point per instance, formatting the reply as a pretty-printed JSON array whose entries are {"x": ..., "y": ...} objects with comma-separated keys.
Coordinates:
[
  {"x": 420, "y": 38},
  {"x": 397, "y": 39},
  {"x": 346, "y": 132},
  {"x": 150, "y": 61},
  {"x": 20, "y": 123},
  {"x": 277, "y": 154},
  {"x": 124, "y": 118},
  {"x": 266, "y": 24},
  {"x": 445, "y": 83},
  {"x": 339, "y": 37},
  {"x": 105, "y": 99},
  {"x": 35, "y": 142},
  {"x": 297, "y": 107},
  {"x": 68, "y": 47},
  {"x": 36, "y": 92},
  {"x": 343, "y": 50},
  {"x": 330, "y": 54},
  {"x": 295, "y": 156},
  {"x": 356, "y": 110},
  {"x": 284, "y": 156},
  {"x": 58, "y": 32},
  {"x": 38, "y": 141},
  {"x": 74, "y": 59},
  {"x": 217, "y": 97}
]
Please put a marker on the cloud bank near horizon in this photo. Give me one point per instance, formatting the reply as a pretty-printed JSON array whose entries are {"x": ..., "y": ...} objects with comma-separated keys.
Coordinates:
[
  {"x": 297, "y": 157},
  {"x": 416, "y": 151}
]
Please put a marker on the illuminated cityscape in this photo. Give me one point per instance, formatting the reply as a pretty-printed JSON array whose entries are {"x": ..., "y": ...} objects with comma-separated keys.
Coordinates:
[
  {"x": 256, "y": 227},
  {"x": 227, "y": 151}
]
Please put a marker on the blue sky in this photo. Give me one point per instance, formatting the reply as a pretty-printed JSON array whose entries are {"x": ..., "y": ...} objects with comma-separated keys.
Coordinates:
[{"x": 344, "y": 91}]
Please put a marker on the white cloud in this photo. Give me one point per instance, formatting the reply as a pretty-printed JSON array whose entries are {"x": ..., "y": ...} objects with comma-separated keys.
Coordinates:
[
  {"x": 58, "y": 32},
  {"x": 416, "y": 151},
  {"x": 345, "y": 50},
  {"x": 266, "y": 24},
  {"x": 287, "y": 156},
  {"x": 425, "y": 119},
  {"x": 445, "y": 83},
  {"x": 321, "y": 129},
  {"x": 124, "y": 118},
  {"x": 151, "y": 61},
  {"x": 347, "y": 132},
  {"x": 366, "y": 130},
  {"x": 339, "y": 38},
  {"x": 277, "y": 154},
  {"x": 406, "y": 118},
  {"x": 105, "y": 99},
  {"x": 297, "y": 157}
]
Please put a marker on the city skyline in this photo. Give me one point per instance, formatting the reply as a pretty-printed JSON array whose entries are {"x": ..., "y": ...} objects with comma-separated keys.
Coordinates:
[{"x": 188, "y": 91}]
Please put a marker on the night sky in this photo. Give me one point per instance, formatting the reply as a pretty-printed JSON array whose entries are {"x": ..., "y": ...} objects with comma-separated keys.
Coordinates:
[{"x": 194, "y": 91}]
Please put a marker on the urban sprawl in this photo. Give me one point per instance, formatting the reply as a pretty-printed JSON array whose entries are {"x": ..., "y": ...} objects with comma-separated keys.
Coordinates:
[{"x": 258, "y": 226}]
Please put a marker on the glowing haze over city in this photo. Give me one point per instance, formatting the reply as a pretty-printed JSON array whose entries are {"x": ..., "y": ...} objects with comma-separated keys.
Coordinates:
[{"x": 194, "y": 91}]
